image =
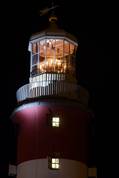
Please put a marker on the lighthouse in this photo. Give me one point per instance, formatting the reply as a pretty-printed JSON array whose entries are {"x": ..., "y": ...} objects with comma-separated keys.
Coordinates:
[{"x": 52, "y": 114}]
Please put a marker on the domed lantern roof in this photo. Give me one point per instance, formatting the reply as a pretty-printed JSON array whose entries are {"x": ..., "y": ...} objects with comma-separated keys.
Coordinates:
[{"x": 54, "y": 30}]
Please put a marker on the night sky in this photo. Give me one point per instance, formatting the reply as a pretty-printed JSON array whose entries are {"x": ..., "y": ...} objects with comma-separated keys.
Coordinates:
[{"x": 92, "y": 24}]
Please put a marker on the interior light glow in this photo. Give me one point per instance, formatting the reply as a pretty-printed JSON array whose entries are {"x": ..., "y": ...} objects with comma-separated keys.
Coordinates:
[
  {"x": 55, "y": 163},
  {"x": 55, "y": 122}
]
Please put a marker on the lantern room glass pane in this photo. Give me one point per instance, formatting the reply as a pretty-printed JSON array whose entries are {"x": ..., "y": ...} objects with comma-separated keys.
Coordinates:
[
  {"x": 34, "y": 48},
  {"x": 71, "y": 48},
  {"x": 50, "y": 55},
  {"x": 66, "y": 56},
  {"x": 59, "y": 56},
  {"x": 59, "y": 49},
  {"x": 42, "y": 56},
  {"x": 35, "y": 59},
  {"x": 34, "y": 70},
  {"x": 72, "y": 58}
]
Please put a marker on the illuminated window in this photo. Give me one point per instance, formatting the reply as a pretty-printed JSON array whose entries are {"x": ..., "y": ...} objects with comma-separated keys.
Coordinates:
[
  {"x": 55, "y": 121},
  {"x": 55, "y": 163}
]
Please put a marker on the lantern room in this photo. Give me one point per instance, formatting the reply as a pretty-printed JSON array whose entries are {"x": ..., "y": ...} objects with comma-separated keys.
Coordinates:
[
  {"x": 52, "y": 64},
  {"x": 52, "y": 54}
]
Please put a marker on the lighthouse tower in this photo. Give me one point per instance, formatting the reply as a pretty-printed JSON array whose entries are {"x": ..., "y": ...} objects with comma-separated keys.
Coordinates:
[{"x": 52, "y": 115}]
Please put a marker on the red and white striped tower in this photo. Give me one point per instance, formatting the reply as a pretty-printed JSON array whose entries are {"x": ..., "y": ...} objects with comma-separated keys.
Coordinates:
[{"x": 52, "y": 115}]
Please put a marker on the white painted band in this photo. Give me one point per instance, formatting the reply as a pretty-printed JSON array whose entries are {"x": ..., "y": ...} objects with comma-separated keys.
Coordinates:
[{"x": 38, "y": 168}]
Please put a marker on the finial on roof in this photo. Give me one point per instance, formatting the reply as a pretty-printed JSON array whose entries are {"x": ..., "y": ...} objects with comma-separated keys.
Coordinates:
[{"x": 52, "y": 18}]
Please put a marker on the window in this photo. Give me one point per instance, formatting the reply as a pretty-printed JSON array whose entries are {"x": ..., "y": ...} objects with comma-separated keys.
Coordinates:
[
  {"x": 55, "y": 121},
  {"x": 55, "y": 163},
  {"x": 54, "y": 160}
]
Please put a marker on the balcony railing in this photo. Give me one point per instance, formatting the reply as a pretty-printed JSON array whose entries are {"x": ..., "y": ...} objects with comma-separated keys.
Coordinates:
[{"x": 44, "y": 88}]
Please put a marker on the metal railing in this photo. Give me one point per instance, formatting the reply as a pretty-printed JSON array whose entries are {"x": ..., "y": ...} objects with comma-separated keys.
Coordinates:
[{"x": 54, "y": 88}]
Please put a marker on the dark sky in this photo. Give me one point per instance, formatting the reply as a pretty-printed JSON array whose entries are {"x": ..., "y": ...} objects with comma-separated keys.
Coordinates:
[{"x": 92, "y": 24}]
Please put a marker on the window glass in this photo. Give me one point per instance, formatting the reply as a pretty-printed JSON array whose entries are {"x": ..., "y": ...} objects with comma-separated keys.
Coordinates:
[{"x": 55, "y": 121}]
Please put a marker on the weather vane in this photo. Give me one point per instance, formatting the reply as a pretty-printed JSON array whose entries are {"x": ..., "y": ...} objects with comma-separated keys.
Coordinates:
[{"x": 46, "y": 10}]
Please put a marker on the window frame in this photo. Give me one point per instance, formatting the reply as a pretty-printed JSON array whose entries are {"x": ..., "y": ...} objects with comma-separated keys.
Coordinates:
[
  {"x": 56, "y": 163},
  {"x": 55, "y": 124}
]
